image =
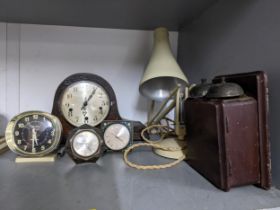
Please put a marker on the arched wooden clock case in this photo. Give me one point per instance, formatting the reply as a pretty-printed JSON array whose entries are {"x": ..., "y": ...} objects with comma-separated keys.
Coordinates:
[{"x": 113, "y": 112}]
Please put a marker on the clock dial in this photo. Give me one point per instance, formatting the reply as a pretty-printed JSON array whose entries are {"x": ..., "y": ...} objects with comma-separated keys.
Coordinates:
[
  {"x": 33, "y": 133},
  {"x": 117, "y": 136},
  {"x": 85, "y": 102},
  {"x": 85, "y": 143}
]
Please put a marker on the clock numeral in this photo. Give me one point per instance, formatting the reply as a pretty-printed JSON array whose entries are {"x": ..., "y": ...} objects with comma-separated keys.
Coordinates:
[
  {"x": 95, "y": 118},
  {"x": 25, "y": 147},
  {"x": 67, "y": 104},
  {"x": 21, "y": 125},
  {"x": 75, "y": 89},
  {"x": 33, "y": 150},
  {"x": 43, "y": 147},
  {"x": 69, "y": 96},
  {"x": 16, "y": 133},
  {"x": 19, "y": 141},
  {"x": 105, "y": 103},
  {"x": 26, "y": 119},
  {"x": 35, "y": 117},
  {"x": 49, "y": 141},
  {"x": 101, "y": 110},
  {"x": 52, "y": 133},
  {"x": 70, "y": 112}
]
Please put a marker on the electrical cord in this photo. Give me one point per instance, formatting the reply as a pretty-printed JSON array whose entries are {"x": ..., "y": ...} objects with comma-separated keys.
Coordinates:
[{"x": 164, "y": 131}]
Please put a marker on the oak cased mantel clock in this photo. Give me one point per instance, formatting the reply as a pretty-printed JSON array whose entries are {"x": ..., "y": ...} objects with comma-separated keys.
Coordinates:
[{"x": 84, "y": 98}]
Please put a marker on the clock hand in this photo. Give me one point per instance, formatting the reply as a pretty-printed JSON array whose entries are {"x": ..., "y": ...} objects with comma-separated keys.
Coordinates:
[
  {"x": 33, "y": 140},
  {"x": 89, "y": 98},
  {"x": 92, "y": 93},
  {"x": 117, "y": 137},
  {"x": 34, "y": 136},
  {"x": 88, "y": 148}
]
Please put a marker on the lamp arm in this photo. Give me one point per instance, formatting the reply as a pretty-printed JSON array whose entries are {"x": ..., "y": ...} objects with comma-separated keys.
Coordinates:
[
  {"x": 150, "y": 112},
  {"x": 162, "y": 114},
  {"x": 180, "y": 128},
  {"x": 152, "y": 120}
]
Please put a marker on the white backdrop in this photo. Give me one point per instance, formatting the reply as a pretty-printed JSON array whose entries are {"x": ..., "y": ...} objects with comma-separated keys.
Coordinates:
[{"x": 34, "y": 59}]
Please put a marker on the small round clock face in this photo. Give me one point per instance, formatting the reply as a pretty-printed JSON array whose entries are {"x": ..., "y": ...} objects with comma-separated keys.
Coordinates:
[
  {"x": 85, "y": 102},
  {"x": 116, "y": 136},
  {"x": 85, "y": 143},
  {"x": 33, "y": 134}
]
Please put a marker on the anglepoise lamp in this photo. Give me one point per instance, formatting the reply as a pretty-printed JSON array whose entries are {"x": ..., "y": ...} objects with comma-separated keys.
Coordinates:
[{"x": 163, "y": 80}]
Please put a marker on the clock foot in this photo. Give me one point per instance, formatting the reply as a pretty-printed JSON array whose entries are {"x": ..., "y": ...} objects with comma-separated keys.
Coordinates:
[{"x": 46, "y": 159}]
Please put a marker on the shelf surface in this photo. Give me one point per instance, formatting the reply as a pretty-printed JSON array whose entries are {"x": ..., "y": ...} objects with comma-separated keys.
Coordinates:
[
  {"x": 111, "y": 185},
  {"x": 127, "y": 14}
]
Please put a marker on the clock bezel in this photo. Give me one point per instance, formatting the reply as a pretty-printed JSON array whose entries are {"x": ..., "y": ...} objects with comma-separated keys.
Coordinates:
[
  {"x": 10, "y": 139},
  {"x": 127, "y": 123},
  {"x": 74, "y": 155},
  {"x": 75, "y": 83}
]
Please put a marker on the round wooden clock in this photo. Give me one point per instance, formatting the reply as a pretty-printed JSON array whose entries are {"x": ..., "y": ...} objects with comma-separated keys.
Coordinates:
[{"x": 84, "y": 98}]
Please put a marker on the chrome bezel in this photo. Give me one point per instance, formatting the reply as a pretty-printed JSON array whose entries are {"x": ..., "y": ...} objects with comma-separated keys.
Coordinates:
[
  {"x": 100, "y": 142},
  {"x": 107, "y": 124}
]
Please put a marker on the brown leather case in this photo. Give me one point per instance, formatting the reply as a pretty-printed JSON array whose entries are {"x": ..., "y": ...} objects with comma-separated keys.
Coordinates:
[
  {"x": 255, "y": 85},
  {"x": 223, "y": 140},
  {"x": 228, "y": 139}
]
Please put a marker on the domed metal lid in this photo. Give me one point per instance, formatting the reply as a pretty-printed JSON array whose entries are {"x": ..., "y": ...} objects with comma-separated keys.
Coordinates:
[
  {"x": 200, "y": 90},
  {"x": 224, "y": 90}
]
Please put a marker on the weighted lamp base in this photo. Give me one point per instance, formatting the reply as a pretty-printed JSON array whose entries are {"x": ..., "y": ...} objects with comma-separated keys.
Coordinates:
[{"x": 172, "y": 143}]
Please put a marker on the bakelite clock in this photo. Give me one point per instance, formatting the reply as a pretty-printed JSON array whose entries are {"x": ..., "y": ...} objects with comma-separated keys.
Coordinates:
[
  {"x": 33, "y": 133},
  {"x": 85, "y": 144},
  {"x": 84, "y": 98}
]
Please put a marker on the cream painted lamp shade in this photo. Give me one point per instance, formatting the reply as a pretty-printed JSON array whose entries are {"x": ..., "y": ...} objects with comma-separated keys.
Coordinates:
[{"x": 162, "y": 74}]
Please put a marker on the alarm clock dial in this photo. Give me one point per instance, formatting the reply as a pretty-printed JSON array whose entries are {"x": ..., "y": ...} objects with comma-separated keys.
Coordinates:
[
  {"x": 85, "y": 102},
  {"x": 33, "y": 134},
  {"x": 117, "y": 136},
  {"x": 85, "y": 143}
]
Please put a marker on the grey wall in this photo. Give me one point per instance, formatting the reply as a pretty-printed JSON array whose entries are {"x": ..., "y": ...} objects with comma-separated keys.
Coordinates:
[
  {"x": 31, "y": 52},
  {"x": 238, "y": 36},
  {"x": 125, "y": 14}
]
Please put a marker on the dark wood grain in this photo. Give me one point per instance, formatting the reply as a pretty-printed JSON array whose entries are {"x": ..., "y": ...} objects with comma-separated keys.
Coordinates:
[
  {"x": 223, "y": 140},
  {"x": 255, "y": 84},
  {"x": 67, "y": 127},
  {"x": 112, "y": 115}
]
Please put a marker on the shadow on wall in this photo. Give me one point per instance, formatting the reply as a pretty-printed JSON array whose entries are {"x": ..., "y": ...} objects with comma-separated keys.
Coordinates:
[
  {"x": 3, "y": 124},
  {"x": 196, "y": 40}
]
